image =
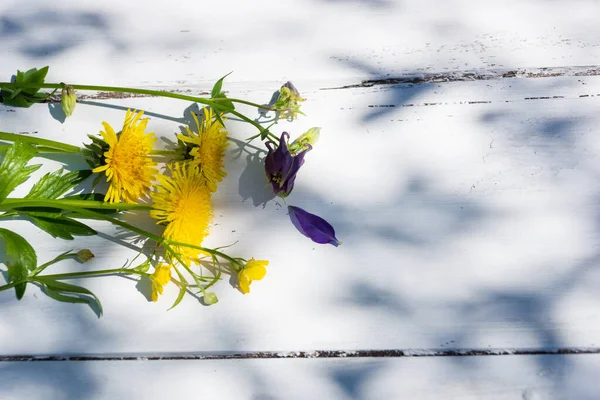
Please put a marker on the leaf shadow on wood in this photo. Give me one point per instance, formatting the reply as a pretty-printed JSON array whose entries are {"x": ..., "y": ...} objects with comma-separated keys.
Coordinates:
[
  {"x": 399, "y": 96},
  {"x": 29, "y": 31},
  {"x": 40, "y": 380}
]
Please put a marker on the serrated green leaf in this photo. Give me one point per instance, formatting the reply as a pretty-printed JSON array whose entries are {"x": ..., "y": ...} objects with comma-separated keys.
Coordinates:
[
  {"x": 20, "y": 259},
  {"x": 216, "y": 90},
  {"x": 62, "y": 227},
  {"x": 55, "y": 184},
  {"x": 13, "y": 170},
  {"x": 65, "y": 292}
]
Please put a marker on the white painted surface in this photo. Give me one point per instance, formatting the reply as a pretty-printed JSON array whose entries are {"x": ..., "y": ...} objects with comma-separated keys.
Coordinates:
[
  {"x": 489, "y": 378},
  {"x": 183, "y": 42},
  {"x": 468, "y": 210},
  {"x": 464, "y": 225}
]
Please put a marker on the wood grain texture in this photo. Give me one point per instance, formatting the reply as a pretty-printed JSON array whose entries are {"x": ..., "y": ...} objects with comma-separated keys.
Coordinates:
[
  {"x": 487, "y": 378},
  {"x": 337, "y": 41},
  {"x": 467, "y": 210},
  {"x": 458, "y": 162}
]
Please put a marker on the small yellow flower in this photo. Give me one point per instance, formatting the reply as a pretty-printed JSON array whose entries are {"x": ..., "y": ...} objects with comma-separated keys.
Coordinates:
[
  {"x": 253, "y": 271},
  {"x": 182, "y": 202},
  {"x": 129, "y": 169},
  {"x": 160, "y": 277},
  {"x": 208, "y": 147}
]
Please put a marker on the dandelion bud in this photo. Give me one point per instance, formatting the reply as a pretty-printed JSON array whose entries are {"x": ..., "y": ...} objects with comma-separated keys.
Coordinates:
[
  {"x": 84, "y": 255},
  {"x": 68, "y": 100},
  {"x": 305, "y": 141},
  {"x": 210, "y": 298}
]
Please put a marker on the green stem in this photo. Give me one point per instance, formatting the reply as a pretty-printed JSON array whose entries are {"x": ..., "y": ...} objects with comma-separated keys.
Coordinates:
[
  {"x": 256, "y": 124},
  {"x": 120, "y": 89},
  {"x": 164, "y": 153},
  {"x": 64, "y": 148},
  {"x": 11, "y": 203},
  {"x": 73, "y": 275},
  {"x": 81, "y": 207},
  {"x": 61, "y": 257},
  {"x": 11, "y": 285},
  {"x": 41, "y": 149},
  {"x": 249, "y": 103}
]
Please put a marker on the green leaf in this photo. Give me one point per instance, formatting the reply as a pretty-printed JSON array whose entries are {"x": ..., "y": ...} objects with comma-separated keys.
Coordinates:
[
  {"x": 263, "y": 134},
  {"x": 85, "y": 196},
  {"x": 179, "y": 297},
  {"x": 19, "y": 101},
  {"x": 55, "y": 184},
  {"x": 61, "y": 227},
  {"x": 32, "y": 76},
  {"x": 18, "y": 250},
  {"x": 222, "y": 106},
  {"x": 10, "y": 93},
  {"x": 13, "y": 170},
  {"x": 20, "y": 259},
  {"x": 182, "y": 289},
  {"x": 216, "y": 90},
  {"x": 16, "y": 95},
  {"x": 67, "y": 293}
]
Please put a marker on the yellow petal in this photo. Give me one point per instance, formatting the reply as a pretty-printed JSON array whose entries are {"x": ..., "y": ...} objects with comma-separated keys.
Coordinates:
[
  {"x": 244, "y": 282},
  {"x": 256, "y": 272},
  {"x": 100, "y": 168}
]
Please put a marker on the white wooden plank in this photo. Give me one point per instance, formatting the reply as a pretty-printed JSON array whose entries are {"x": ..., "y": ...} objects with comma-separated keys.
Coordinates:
[
  {"x": 488, "y": 378},
  {"x": 168, "y": 43},
  {"x": 468, "y": 213}
]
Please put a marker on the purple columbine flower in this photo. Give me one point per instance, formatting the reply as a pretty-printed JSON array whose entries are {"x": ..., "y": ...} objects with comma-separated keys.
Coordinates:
[
  {"x": 281, "y": 166},
  {"x": 312, "y": 226}
]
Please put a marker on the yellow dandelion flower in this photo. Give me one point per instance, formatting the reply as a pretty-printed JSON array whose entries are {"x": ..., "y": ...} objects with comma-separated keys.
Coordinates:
[
  {"x": 208, "y": 147},
  {"x": 182, "y": 202},
  {"x": 129, "y": 169},
  {"x": 160, "y": 277},
  {"x": 253, "y": 271}
]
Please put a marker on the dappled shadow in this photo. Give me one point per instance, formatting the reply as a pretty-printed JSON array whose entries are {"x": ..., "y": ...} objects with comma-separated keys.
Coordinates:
[
  {"x": 396, "y": 96},
  {"x": 413, "y": 260},
  {"x": 29, "y": 31},
  {"x": 253, "y": 183},
  {"x": 352, "y": 378}
]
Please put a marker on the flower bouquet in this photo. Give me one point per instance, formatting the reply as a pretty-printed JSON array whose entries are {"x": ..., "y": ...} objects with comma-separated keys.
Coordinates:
[{"x": 172, "y": 186}]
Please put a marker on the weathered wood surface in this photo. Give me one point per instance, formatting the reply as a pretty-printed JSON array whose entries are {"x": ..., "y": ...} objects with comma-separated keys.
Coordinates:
[
  {"x": 490, "y": 378},
  {"x": 458, "y": 162}
]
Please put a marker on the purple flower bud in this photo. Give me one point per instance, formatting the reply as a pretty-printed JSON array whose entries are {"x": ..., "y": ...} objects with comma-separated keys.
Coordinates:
[
  {"x": 293, "y": 89},
  {"x": 281, "y": 166},
  {"x": 312, "y": 226}
]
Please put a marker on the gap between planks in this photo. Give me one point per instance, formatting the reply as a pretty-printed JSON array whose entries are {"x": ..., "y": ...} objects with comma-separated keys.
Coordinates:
[
  {"x": 393, "y": 353},
  {"x": 478, "y": 75},
  {"x": 415, "y": 79}
]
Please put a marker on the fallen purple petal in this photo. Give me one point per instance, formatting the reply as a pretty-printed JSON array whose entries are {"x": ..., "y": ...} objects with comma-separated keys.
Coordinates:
[{"x": 312, "y": 226}]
